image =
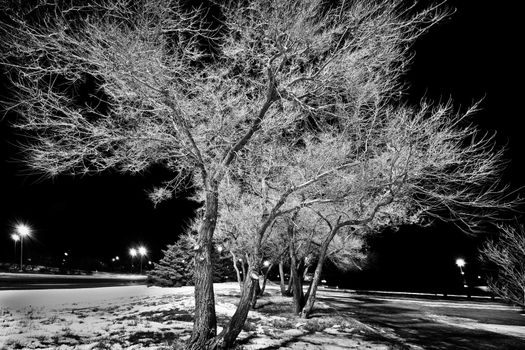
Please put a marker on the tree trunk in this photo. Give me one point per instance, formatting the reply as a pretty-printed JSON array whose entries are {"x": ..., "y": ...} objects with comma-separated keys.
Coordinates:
[
  {"x": 237, "y": 272},
  {"x": 298, "y": 295},
  {"x": 297, "y": 290},
  {"x": 290, "y": 281},
  {"x": 256, "y": 293},
  {"x": 243, "y": 266},
  {"x": 305, "y": 271},
  {"x": 227, "y": 337},
  {"x": 281, "y": 275},
  {"x": 205, "y": 322},
  {"x": 265, "y": 279},
  {"x": 312, "y": 290}
]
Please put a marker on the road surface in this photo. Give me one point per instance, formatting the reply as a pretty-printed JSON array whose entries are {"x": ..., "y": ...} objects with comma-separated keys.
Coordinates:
[
  {"x": 9, "y": 281},
  {"x": 434, "y": 324}
]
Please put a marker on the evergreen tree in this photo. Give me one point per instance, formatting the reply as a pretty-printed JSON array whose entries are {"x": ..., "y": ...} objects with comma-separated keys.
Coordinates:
[{"x": 175, "y": 269}]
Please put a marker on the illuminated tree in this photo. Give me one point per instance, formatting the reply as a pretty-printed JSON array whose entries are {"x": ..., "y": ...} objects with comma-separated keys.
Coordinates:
[
  {"x": 296, "y": 97},
  {"x": 508, "y": 254}
]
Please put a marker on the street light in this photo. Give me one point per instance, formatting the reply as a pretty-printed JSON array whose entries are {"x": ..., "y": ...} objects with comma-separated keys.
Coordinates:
[
  {"x": 22, "y": 230},
  {"x": 461, "y": 263},
  {"x": 15, "y": 239},
  {"x": 219, "y": 248},
  {"x": 266, "y": 263},
  {"x": 142, "y": 252},
  {"x": 133, "y": 253}
]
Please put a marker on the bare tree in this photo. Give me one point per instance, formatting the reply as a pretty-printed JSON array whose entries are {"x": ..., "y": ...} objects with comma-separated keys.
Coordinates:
[
  {"x": 294, "y": 97},
  {"x": 508, "y": 254}
]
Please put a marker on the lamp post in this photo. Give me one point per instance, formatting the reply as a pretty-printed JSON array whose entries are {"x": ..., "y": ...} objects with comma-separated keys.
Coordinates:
[
  {"x": 15, "y": 239},
  {"x": 22, "y": 230},
  {"x": 142, "y": 252},
  {"x": 461, "y": 263},
  {"x": 133, "y": 253}
]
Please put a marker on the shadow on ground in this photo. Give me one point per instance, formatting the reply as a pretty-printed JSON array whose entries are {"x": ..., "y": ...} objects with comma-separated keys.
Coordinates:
[{"x": 411, "y": 324}]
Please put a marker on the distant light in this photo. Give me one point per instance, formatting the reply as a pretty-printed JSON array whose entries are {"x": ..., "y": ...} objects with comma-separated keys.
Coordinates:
[
  {"x": 149, "y": 262},
  {"x": 266, "y": 263},
  {"x": 460, "y": 262},
  {"x": 15, "y": 237},
  {"x": 116, "y": 258},
  {"x": 323, "y": 281},
  {"x": 219, "y": 248},
  {"x": 113, "y": 260},
  {"x": 479, "y": 277},
  {"x": 240, "y": 260},
  {"x": 65, "y": 254},
  {"x": 133, "y": 252},
  {"x": 23, "y": 230},
  {"x": 142, "y": 251}
]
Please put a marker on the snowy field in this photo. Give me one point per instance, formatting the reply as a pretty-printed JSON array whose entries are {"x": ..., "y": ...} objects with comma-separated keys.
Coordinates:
[{"x": 140, "y": 317}]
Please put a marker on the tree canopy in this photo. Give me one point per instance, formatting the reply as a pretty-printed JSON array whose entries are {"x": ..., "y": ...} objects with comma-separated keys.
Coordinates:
[{"x": 287, "y": 104}]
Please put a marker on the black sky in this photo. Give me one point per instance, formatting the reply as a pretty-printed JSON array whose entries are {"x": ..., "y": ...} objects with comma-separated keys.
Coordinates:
[{"x": 472, "y": 55}]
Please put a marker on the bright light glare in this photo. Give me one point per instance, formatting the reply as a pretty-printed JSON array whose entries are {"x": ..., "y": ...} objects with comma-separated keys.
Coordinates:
[
  {"x": 133, "y": 252},
  {"x": 266, "y": 263},
  {"x": 460, "y": 262},
  {"x": 219, "y": 248},
  {"x": 15, "y": 237},
  {"x": 116, "y": 258},
  {"x": 142, "y": 251},
  {"x": 23, "y": 230}
]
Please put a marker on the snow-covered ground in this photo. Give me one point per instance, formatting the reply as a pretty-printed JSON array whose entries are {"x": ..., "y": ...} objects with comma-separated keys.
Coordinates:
[{"x": 140, "y": 317}]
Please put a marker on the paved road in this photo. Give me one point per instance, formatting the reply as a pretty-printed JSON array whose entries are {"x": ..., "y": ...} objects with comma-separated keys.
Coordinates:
[
  {"x": 10, "y": 281},
  {"x": 435, "y": 324}
]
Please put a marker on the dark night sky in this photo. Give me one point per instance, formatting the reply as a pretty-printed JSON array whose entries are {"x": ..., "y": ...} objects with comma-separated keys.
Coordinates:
[{"x": 472, "y": 55}]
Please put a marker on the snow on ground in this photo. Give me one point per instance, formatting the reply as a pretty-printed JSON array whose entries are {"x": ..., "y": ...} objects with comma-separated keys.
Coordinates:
[
  {"x": 515, "y": 331},
  {"x": 140, "y": 317}
]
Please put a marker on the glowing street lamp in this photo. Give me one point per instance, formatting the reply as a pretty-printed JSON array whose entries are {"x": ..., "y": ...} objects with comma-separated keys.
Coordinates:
[
  {"x": 15, "y": 239},
  {"x": 142, "y": 252},
  {"x": 132, "y": 253},
  {"x": 219, "y": 248},
  {"x": 266, "y": 263},
  {"x": 22, "y": 230},
  {"x": 461, "y": 263}
]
